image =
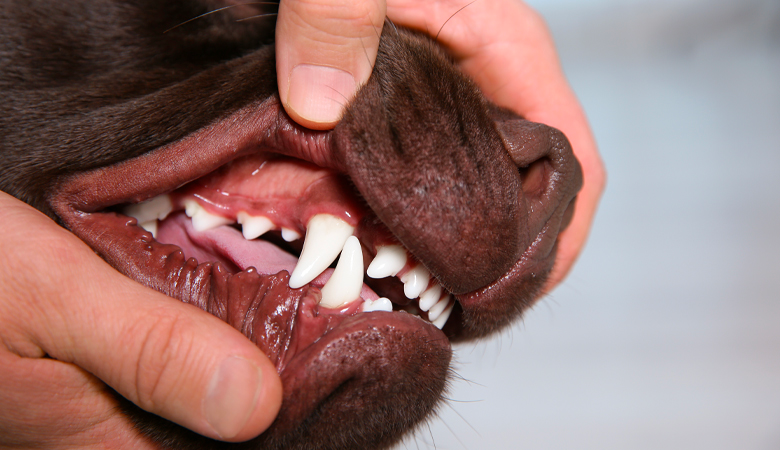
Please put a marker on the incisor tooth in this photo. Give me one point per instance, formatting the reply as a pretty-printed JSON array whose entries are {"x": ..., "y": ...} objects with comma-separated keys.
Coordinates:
[
  {"x": 442, "y": 319},
  {"x": 191, "y": 207},
  {"x": 415, "y": 281},
  {"x": 325, "y": 237},
  {"x": 438, "y": 308},
  {"x": 153, "y": 209},
  {"x": 389, "y": 260},
  {"x": 150, "y": 226},
  {"x": 430, "y": 297},
  {"x": 380, "y": 304},
  {"x": 347, "y": 279},
  {"x": 203, "y": 220},
  {"x": 290, "y": 235},
  {"x": 252, "y": 227}
]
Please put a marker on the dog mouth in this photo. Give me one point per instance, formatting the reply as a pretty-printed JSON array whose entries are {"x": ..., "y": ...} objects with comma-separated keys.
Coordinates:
[{"x": 351, "y": 258}]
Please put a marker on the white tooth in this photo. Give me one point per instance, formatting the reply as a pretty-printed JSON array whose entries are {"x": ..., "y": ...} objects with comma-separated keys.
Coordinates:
[
  {"x": 325, "y": 237},
  {"x": 156, "y": 208},
  {"x": 380, "y": 304},
  {"x": 389, "y": 260},
  {"x": 150, "y": 226},
  {"x": 442, "y": 319},
  {"x": 438, "y": 308},
  {"x": 347, "y": 280},
  {"x": 191, "y": 207},
  {"x": 203, "y": 220},
  {"x": 290, "y": 235},
  {"x": 430, "y": 297},
  {"x": 253, "y": 226},
  {"x": 415, "y": 281}
]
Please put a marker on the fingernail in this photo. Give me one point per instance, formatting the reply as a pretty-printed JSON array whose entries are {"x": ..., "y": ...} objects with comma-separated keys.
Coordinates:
[
  {"x": 320, "y": 93},
  {"x": 232, "y": 395}
]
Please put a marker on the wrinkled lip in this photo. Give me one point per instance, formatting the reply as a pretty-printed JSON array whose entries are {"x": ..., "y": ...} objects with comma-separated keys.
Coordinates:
[
  {"x": 287, "y": 324},
  {"x": 86, "y": 202}
]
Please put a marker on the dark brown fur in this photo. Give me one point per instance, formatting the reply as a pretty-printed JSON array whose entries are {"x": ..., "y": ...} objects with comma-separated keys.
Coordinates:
[{"x": 87, "y": 85}]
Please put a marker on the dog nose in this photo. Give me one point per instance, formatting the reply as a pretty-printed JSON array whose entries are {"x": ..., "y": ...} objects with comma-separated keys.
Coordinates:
[{"x": 550, "y": 174}]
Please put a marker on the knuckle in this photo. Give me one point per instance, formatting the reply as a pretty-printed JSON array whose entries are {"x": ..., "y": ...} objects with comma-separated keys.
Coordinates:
[{"x": 165, "y": 347}]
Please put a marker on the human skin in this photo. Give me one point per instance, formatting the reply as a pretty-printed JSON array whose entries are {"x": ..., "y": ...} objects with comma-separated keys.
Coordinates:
[{"x": 83, "y": 324}]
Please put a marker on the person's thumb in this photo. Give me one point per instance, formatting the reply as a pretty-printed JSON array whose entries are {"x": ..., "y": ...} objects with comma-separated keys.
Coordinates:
[
  {"x": 167, "y": 357},
  {"x": 325, "y": 50}
]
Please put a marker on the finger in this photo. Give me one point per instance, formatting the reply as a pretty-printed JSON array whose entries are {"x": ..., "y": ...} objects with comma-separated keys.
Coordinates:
[
  {"x": 325, "y": 50},
  {"x": 507, "y": 49},
  {"x": 167, "y": 357}
]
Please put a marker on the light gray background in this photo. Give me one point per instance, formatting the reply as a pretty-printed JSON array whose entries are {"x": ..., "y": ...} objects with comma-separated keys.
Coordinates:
[{"x": 667, "y": 333}]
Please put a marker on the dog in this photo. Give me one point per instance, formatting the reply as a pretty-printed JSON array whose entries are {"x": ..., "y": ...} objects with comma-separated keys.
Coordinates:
[{"x": 153, "y": 131}]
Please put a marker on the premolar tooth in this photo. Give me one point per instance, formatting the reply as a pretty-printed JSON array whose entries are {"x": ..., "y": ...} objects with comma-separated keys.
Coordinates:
[
  {"x": 290, "y": 235},
  {"x": 430, "y": 297},
  {"x": 415, "y": 281},
  {"x": 438, "y": 308},
  {"x": 150, "y": 226},
  {"x": 442, "y": 319},
  {"x": 203, "y": 220},
  {"x": 253, "y": 227},
  {"x": 347, "y": 280},
  {"x": 389, "y": 260},
  {"x": 380, "y": 304},
  {"x": 156, "y": 208},
  {"x": 325, "y": 237}
]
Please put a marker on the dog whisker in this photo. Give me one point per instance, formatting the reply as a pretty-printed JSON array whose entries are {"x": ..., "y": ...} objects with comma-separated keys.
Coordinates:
[
  {"x": 256, "y": 17},
  {"x": 223, "y": 9},
  {"x": 450, "y": 18}
]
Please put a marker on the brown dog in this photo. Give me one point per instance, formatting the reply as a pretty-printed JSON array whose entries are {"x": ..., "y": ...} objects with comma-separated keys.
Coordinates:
[{"x": 111, "y": 103}]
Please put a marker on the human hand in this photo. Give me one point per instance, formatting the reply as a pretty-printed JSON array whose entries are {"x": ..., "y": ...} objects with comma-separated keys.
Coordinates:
[
  {"x": 503, "y": 45},
  {"x": 70, "y": 323}
]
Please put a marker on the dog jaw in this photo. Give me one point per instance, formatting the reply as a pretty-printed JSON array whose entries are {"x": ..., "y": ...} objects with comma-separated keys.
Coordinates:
[{"x": 475, "y": 194}]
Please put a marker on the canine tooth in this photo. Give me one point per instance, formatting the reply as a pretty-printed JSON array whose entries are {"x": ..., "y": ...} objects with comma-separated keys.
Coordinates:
[
  {"x": 150, "y": 226},
  {"x": 380, "y": 304},
  {"x": 253, "y": 226},
  {"x": 415, "y": 281},
  {"x": 389, "y": 260},
  {"x": 442, "y": 319},
  {"x": 325, "y": 237},
  {"x": 203, "y": 220},
  {"x": 155, "y": 208},
  {"x": 290, "y": 235},
  {"x": 430, "y": 297},
  {"x": 347, "y": 280},
  {"x": 438, "y": 308}
]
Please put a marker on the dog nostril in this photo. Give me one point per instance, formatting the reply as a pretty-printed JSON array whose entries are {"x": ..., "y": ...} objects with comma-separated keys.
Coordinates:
[{"x": 535, "y": 177}]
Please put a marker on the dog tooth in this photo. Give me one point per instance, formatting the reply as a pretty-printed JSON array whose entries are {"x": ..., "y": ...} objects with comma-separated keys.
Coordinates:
[
  {"x": 430, "y": 297},
  {"x": 290, "y": 235},
  {"x": 347, "y": 279},
  {"x": 325, "y": 237},
  {"x": 191, "y": 207},
  {"x": 442, "y": 319},
  {"x": 389, "y": 260},
  {"x": 415, "y": 281},
  {"x": 150, "y": 226},
  {"x": 155, "y": 208},
  {"x": 203, "y": 220},
  {"x": 253, "y": 227},
  {"x": 380, "y": 304},
  {"x": 438, "y": 308}
]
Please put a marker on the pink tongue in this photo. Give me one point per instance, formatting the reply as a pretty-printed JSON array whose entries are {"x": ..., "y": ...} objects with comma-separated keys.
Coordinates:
[{"x": 228, "y": 246}]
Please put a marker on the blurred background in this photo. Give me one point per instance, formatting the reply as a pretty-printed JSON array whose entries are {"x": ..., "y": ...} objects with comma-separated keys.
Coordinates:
[{"x": 667, "y": 333}]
